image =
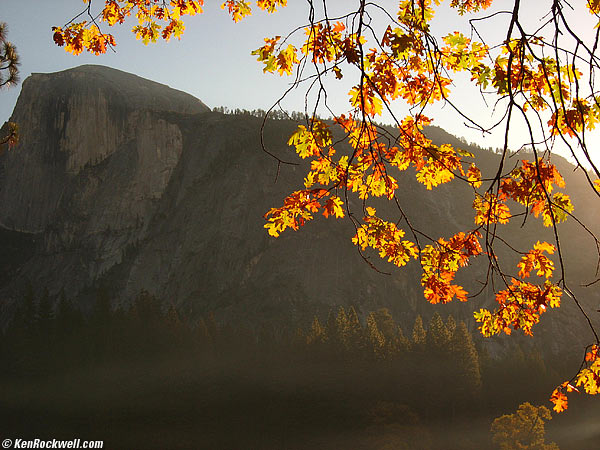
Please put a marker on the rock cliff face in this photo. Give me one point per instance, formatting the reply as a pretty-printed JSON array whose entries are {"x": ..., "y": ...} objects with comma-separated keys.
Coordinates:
[
  {"x": 79, "y": 118},
  {"x": 96, "y": 151},
  {"x": 128, "y": 184}
]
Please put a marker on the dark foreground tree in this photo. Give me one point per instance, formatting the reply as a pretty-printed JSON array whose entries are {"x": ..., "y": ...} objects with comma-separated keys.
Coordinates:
[
  {"x": 9, "y": 76},
  {"x": 542, "y": 76},
  {"x": 523, "y": 429}
]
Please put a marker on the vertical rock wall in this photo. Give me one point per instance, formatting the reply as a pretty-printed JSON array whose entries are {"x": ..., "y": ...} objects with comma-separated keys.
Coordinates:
[{"x": 97, "y": 149}]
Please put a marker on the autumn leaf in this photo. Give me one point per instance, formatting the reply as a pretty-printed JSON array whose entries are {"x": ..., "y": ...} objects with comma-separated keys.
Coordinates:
[
  {"x": 238, "y": 9},
  {"x": 286, "y": 60},
  {"x": 154, "y": 22},
  {"x": 490, "y": 209},
  {"x": 334, "y": 207},
  {"x": 310, "y": 142},
  {"x": 474, "y": 176},
  {"x": 387, "y": 239},
  {"x": 470, "y": 5},
  {"x": 365, "y": 100},
  {"x": 520, "y": 306},
  {"x": 560, "y": 401},
  {"x": 594, "y": 6},
  {"x": 271, "y": 5},
  {"x": 536, "y": 260},
  {"x": 593, "y": 354},
  {"x": 557, "y": 211}
]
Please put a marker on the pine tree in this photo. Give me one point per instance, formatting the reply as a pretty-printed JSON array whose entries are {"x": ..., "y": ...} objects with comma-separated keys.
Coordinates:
[
  {"x": 404, "y": 344},
  {"x": 147, "y": 308},
  {"x": 342, "y": 330},
  {"x": 385, "y": 323},
  {"x": 394, "y": 337},
  {"x": 355, "y": 332},
  {"x": 299, "y": 339},
  {"x": 438, "y": 337},
  {"x": 468, "y": 375},
  {"x": 316, "y": 335},
  {"x": 375, "y": 337},
  {"x": 450, "y": 325},
  {"x": 419, "y": 335},
  {"x": 9, "y": 69}
]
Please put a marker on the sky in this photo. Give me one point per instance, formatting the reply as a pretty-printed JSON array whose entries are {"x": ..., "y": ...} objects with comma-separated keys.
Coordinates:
[{"x": 213, "y": 60}]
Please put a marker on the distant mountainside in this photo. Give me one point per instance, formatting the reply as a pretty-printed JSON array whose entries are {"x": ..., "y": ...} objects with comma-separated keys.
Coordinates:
[{"x": 122, "y": 183}]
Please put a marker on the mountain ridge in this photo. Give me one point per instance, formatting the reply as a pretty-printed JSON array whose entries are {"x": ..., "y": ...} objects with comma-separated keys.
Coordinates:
[{"x": 170, "y": 199}]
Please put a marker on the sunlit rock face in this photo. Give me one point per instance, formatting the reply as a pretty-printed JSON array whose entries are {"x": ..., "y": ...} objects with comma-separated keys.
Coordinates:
[
  {"x": 78, "y": 118},
  {"x": 127, "y": 184},
  {"x": 97, "y": 149}
]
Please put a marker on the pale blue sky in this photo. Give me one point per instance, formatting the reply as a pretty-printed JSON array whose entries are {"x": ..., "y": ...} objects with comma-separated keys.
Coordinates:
[{"x": 213, "y": 60}]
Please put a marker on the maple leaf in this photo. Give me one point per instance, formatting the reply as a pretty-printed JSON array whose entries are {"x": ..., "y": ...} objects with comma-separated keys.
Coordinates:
[
  {"x": 535, "y": 259},
  {"x": 470, "y": 5},
  {"x": 474, "y": 176},
  {"x": 589, "y": 378},
  {"x": 286, "y": 60},
  {"x": 520, "y": 307},
  {"x": 338, "y": 72},
  {"x": 386, "y": 238},
  {"x": 334, "y": 206},
  {"x": 58, "y": 36},
  {"x": 238, "y": 9},
  {"x": 398, "y": 41},
  {"x": 265, "y": 54},
  {"x": 560, "y": 401},
  {"x": 365, "y": 100},
  {"x": 593, "y": 354},
  {"x": 112, "y": 13},
  {"x": 490, "y": 209},
  {"x": 271, "y": 5},
  {"x": 559, "y": 209},
  {"x": 154, "y": 21},
  {"x": 594, "y": 6},
  {"x": 310, "y": 142},
  {"x": 297, "y": 209}
]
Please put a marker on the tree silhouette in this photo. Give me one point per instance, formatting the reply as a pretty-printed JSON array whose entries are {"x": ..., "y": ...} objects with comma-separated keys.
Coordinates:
[
  {"x": 523, "y": 429},
  {"x": 9, "y": 76},
  {"x": 438, "y": 336},
  {"x": 375, "y": 338},
  {"x": 419, "y": 335},
  {"x": 465, "y": 357}
]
